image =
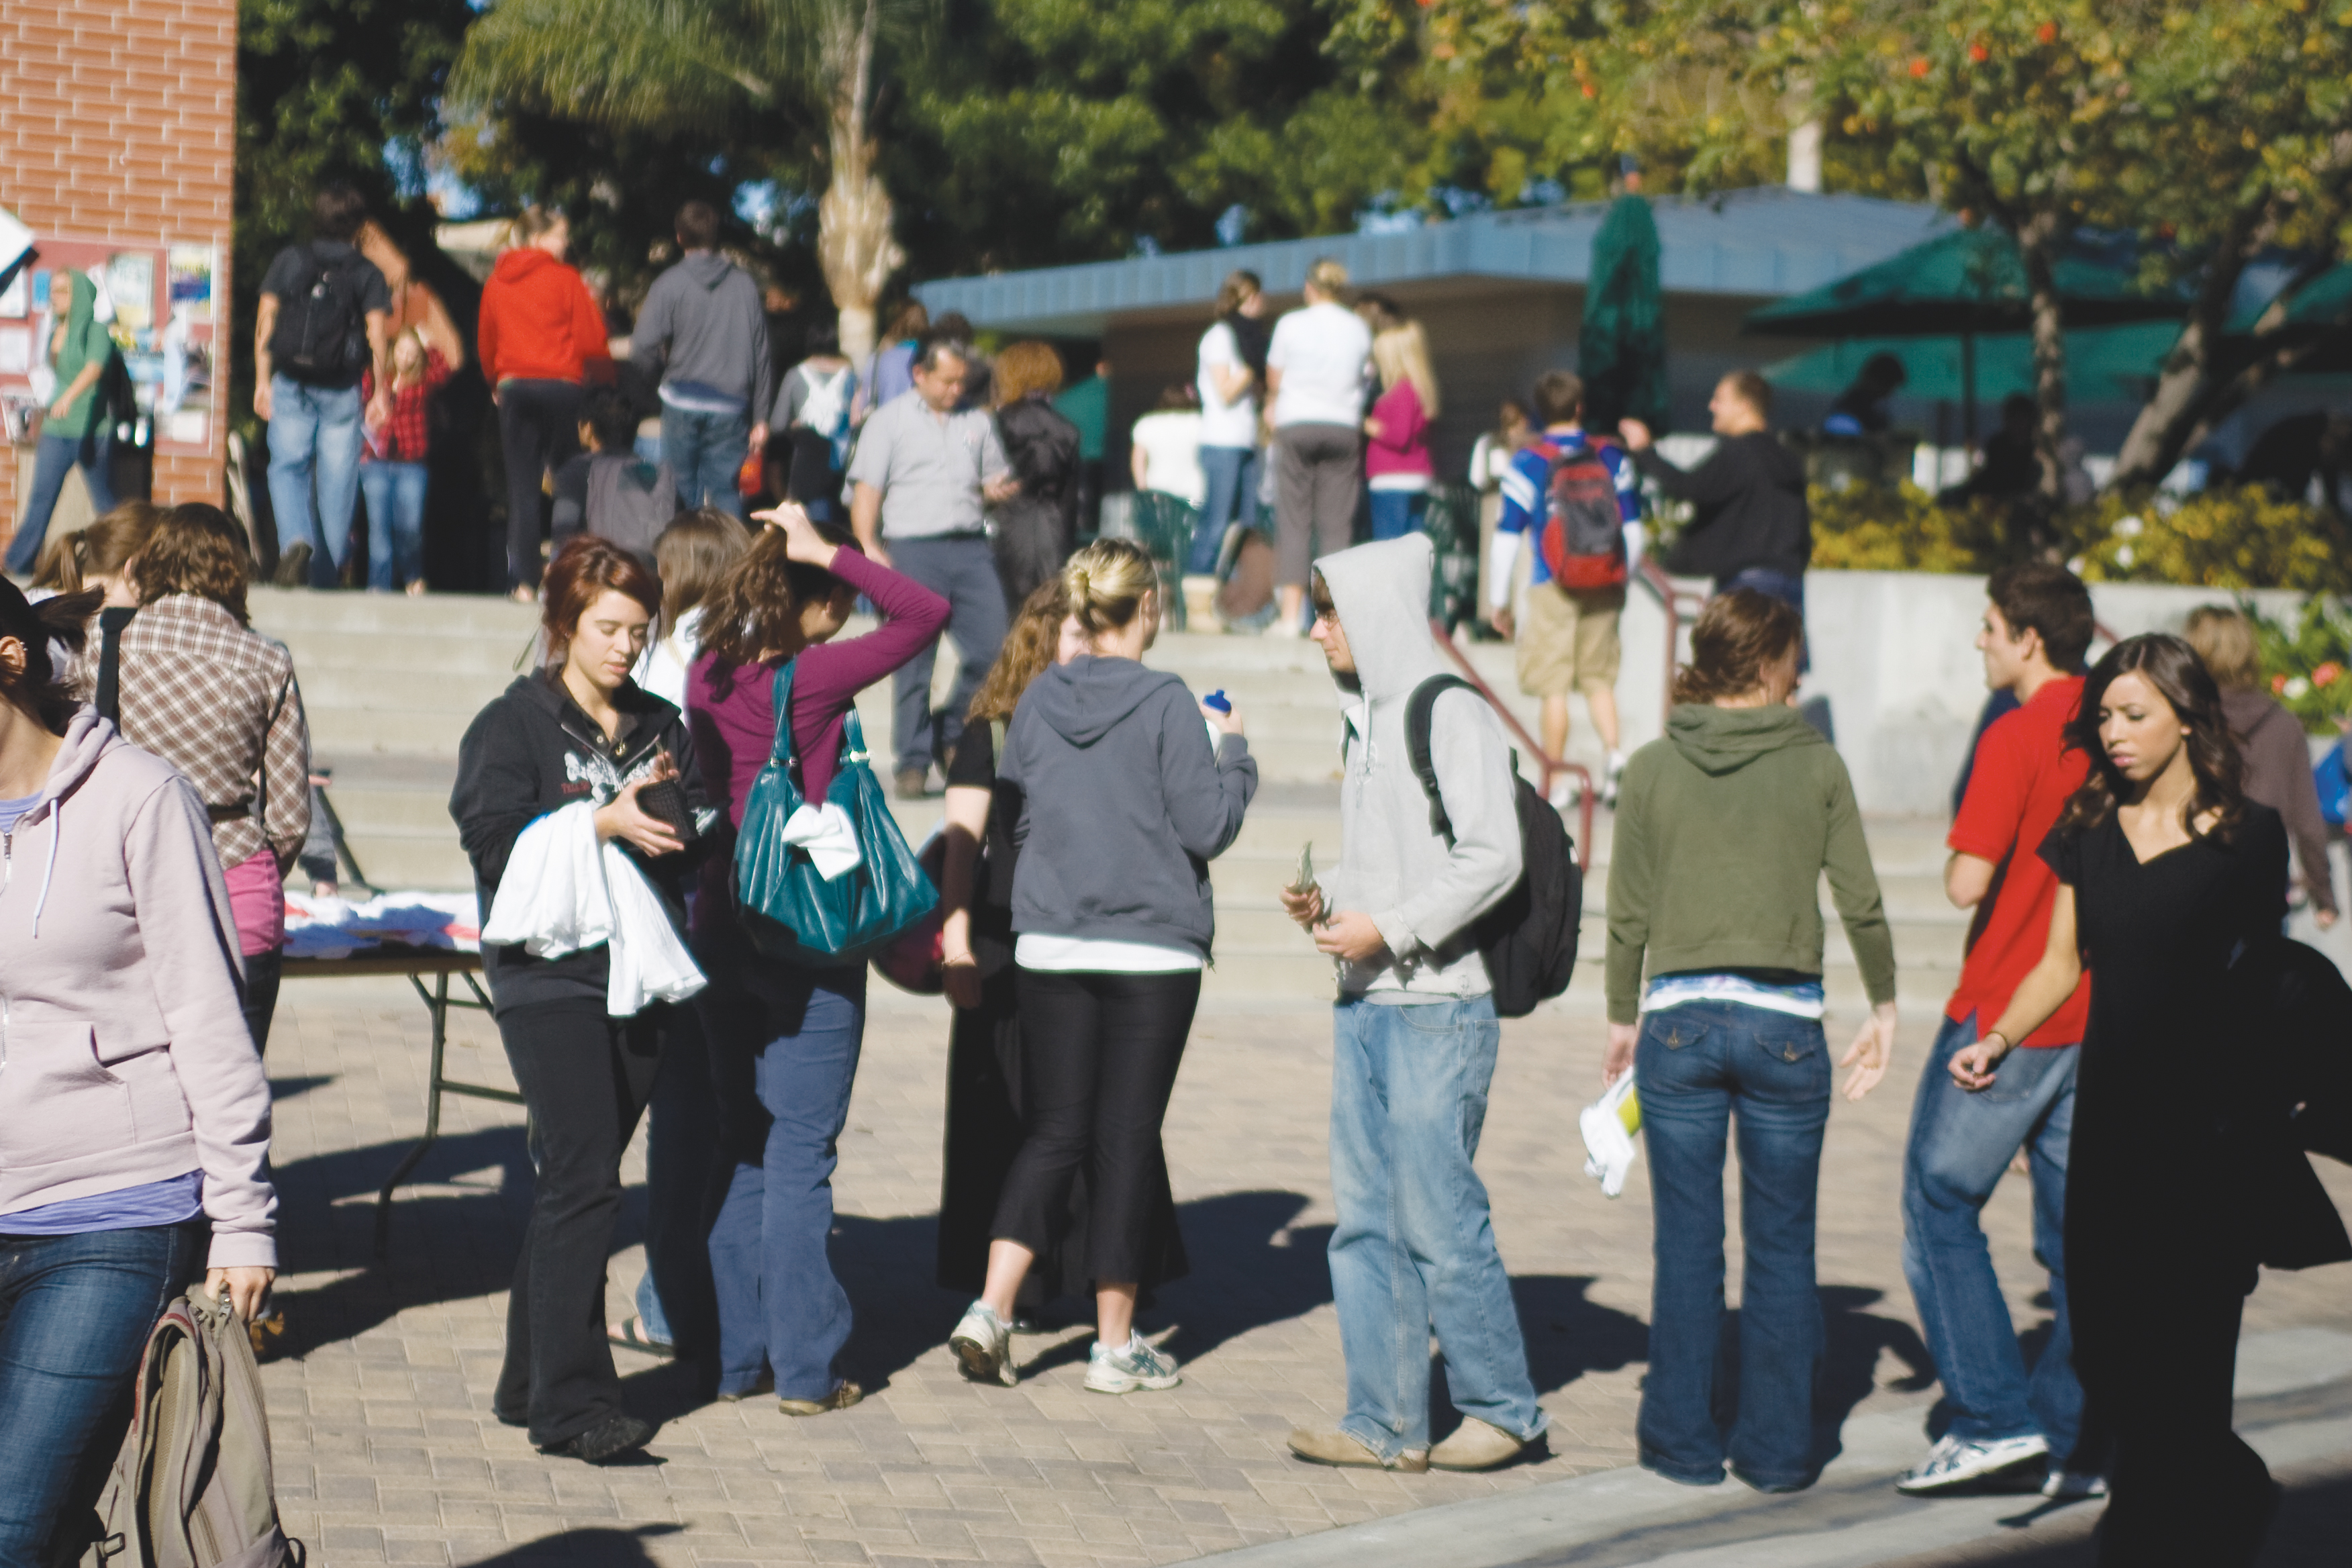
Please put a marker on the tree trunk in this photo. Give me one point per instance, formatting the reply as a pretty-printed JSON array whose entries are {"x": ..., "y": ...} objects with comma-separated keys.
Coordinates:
[
  {"x": 854, "y": 240},
  {"x": 2037, "y": 241},
  {"x": 2184, "y": 383}
]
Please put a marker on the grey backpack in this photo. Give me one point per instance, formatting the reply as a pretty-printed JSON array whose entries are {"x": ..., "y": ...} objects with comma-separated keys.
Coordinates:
[
  {"x": 629, "y": 501},
  {"x": 192, "y": 1486}
]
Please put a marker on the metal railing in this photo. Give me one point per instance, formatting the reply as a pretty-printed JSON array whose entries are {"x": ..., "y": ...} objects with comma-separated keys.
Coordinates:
[
  {"x": 1680, "y": 604},
  {"x": 1550, "y": 766}
]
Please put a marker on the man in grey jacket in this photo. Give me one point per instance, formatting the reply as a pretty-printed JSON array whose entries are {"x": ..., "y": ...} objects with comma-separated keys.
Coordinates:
[
  {"x": 1414, "y": 1038},
  {"x": 703, "y": 338}
]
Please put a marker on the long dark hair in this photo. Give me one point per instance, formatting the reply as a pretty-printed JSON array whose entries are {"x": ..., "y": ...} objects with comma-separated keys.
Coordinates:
[
  {"x": 44, "y": 690},
  {"x": 2179, "y": 676}
]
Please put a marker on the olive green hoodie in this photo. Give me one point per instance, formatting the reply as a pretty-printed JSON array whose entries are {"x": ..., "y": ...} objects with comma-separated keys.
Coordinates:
[{"x": 1724, "y": 828}]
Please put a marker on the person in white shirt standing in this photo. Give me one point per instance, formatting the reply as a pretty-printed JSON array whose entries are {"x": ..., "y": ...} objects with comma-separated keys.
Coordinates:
[
  {"x": 1165, "y": 449},
  {"x": 1315, "y": 379},
  {"x": 1231, "y": 363}
]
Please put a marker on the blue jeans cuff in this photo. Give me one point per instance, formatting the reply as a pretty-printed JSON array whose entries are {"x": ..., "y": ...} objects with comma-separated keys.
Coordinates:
[
  {"x": 1686, "y": 1474},
  {"x": 1376, "y": 1437}
]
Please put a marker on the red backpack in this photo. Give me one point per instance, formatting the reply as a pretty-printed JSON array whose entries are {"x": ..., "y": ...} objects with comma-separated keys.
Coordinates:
[{"x": 1584, "y": 533}]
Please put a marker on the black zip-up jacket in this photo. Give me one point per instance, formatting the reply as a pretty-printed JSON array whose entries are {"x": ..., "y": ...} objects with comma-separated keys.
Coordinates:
[
  {"x": 534, "y": 750},
  {"x": 1751, "y": 496}
]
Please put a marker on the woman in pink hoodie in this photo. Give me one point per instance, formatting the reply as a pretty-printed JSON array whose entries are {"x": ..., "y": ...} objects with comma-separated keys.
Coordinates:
[
  {"x": 1397, "y": 470},
  {"x": 134, "y": 1116}
]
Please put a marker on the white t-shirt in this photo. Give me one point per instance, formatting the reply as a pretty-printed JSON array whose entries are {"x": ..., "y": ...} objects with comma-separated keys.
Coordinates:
[
  {"x": 1321, "y": 352},
  {"x": 1170, "y": 441},
  {"x": 1099, "y": 956},
  {"x": 1223, "y": 424}
]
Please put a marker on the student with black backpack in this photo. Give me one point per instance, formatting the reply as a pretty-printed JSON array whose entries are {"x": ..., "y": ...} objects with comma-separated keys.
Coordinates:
[
  {"x": 325, "y": 320},
  {"x": 1414, "y": 1031}
]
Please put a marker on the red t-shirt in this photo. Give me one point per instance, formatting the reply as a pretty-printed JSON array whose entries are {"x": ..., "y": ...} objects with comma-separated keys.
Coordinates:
[{"x": 2022, "y": 777}]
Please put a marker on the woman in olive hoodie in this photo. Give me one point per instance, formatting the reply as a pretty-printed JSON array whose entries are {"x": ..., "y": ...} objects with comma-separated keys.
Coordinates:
[
  {"x": 134, "y": 1117},
  {"x": 1724, "y": 828}
]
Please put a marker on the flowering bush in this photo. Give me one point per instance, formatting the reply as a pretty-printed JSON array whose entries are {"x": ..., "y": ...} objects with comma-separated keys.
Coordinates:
[
  {"x": 1864, "y": 528},
  {"x": 2304, "y": 665}
]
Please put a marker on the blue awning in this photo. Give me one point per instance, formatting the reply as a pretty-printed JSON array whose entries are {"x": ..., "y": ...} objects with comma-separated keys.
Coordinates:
[{"x": 1756, "y": 243}]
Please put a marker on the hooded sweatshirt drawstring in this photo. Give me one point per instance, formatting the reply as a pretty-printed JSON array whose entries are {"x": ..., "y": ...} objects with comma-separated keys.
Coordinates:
[{"x": 49, "y": 868}]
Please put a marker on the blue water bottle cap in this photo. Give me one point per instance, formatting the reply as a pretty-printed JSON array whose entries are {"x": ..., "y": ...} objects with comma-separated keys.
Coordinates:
[{"x": 1218, "y": 700}]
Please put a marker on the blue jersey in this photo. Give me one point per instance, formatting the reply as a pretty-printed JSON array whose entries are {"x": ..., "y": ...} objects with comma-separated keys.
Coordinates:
[{"x": 1527, "y": 486}]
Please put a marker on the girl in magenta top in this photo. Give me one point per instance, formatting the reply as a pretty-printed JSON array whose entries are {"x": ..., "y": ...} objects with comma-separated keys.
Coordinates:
[
  {"x": 1397, "y": 469},
  {"x": 785, "y": 1039}
]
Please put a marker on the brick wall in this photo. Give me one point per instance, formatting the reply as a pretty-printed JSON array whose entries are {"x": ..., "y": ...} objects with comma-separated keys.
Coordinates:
[{"x": 118, "y": 123}]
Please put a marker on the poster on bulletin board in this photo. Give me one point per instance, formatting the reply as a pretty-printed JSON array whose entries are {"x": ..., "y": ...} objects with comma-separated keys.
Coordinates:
[{"x": 159, "y": 303}]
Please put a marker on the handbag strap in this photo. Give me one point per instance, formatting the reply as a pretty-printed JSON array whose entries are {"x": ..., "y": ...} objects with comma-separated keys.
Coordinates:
[{"x": 780, "y": 751}]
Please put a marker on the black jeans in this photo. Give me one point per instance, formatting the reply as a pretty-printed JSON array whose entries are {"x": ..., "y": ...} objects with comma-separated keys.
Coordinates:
[
  {"x": 262, "y": 973},
  {"x": 539, "y": 428},
  {"x": 1099, "y": 1059},
  {"x": 585, "y": 1079}
]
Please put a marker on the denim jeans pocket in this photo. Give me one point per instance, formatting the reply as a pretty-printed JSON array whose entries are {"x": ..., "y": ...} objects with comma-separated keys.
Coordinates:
[
  {"x": 2017, "y": 1076},
  {"x": 1797, "y": 1058}
]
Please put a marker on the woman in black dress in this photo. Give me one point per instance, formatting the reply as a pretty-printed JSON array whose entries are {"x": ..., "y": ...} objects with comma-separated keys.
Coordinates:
[
  {"x": 2166, "y": 872},
  {"x": 984, "y": 1122}
]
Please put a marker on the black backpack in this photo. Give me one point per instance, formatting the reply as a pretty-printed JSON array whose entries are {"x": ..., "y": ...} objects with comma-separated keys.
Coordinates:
[
  {"x": 1528, "y": 940},
  {"x": 320, "y": 338}
]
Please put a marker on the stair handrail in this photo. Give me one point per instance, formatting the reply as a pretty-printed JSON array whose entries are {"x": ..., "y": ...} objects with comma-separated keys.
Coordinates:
[
  {"x": 1550, "y": 765},
  {"x": 1677, "y": 603}
]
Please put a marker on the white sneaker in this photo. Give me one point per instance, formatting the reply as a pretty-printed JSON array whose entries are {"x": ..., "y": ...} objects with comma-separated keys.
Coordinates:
[
  {"x": 1615, "y": 771},
  {"x": 1565, "y": 790},
  {"x": 983, "y": 1343},
  {"x": 2074, "y": 1486},
  {"x": 1955, "y": 1462},
  {"x": 1136, "y": 1365}
]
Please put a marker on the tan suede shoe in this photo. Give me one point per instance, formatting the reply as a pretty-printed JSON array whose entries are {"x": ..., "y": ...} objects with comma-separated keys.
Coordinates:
[
  {"x": 843, "y": 1396},
  {"x": 1340, "y": 1448},
  {"x": 1476, "y": 1446}
]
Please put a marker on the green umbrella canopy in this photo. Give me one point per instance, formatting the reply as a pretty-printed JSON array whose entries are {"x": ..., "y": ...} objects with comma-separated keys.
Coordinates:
[
  {"x": 1621, "y": 351},
  {"x": 1971, "y": 281},
  {"x": 2324, "y": 301},
  {"x": 2101, "y": 363}
]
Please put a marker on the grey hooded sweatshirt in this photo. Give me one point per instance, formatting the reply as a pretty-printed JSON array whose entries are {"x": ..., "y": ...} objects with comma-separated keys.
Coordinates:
[
  {"x": 1422, "y": 894},
  {"x": 703, "y": 337},
  {"x": 1123, "y": 805}
]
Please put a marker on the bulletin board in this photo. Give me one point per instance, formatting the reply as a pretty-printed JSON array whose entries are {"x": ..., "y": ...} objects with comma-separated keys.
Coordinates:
[{"x": 165, "y": 303}]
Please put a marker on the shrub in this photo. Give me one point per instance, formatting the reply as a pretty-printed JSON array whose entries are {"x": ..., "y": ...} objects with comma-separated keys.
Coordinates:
[
  {"x": 2220, "y": 538},
  {"x": 1864, "y": 528},
  {"x": 2308, "y": 665}
]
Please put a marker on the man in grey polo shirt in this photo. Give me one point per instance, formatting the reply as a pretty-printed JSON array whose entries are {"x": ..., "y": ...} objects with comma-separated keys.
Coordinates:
[{"x": 921, "y": 472}]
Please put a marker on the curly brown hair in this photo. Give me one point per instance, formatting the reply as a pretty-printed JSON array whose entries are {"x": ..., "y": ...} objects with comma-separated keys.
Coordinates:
[
  {"x": 1027, "y": 653},
  {"x": 2170, "y": 666},
  {"x": 198, "y": 549},
  {"x": 1025, "y": 368},
  {"x": 1738, "y": 637},
  {"x": 754, "y": 608}
]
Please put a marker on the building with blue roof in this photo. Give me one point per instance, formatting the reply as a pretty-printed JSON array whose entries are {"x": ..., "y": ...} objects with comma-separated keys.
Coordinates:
[{"x": 1500, "y": 294}]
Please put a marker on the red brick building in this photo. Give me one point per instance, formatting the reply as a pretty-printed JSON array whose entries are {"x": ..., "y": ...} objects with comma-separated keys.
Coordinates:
[{"x": 116, "y": 150}]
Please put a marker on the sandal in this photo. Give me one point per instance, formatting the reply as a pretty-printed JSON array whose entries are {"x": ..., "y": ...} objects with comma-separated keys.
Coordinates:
[{"x": 629, "y": 1335}]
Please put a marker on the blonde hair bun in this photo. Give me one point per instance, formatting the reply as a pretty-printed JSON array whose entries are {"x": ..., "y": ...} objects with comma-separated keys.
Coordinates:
[{"x": 1107, "y": 582}]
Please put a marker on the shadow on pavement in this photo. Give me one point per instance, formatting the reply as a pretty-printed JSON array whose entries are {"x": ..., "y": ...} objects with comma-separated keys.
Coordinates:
[
  {"x": 584, "y": 1549},
  {"x": 1857, "y": 1341},
  {"x": 2313, "y": 1522}
]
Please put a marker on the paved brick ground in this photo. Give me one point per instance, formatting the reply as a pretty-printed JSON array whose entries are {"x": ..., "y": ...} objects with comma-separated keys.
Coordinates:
[{"x": 387, "y": 1451}]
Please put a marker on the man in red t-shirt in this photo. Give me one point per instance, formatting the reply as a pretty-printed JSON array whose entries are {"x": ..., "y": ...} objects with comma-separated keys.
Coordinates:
[{"x": 2036, "y": 630}]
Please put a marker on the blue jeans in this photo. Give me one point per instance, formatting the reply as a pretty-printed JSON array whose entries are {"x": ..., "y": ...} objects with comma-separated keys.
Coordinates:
[
  {"x": 1414, "y": 1245},
  {"x": 75, "y": 1313},
  {"x": 962, "y": 568},
  {"x": 314, "y": 434},
  {"x": 1697, "y": 1064},
  {"x": 1960, "y": 1143},
  {"x": 1396, "y": 513},
  {"x": 395, "y": 506},
  {"x": 779, "y": 1303},
  {"x": 57, "y": 456},
  {"x": 705, "y": 452},
  {"x": 1231, "y": 473},
  {"x": 684, "y": 1173}
]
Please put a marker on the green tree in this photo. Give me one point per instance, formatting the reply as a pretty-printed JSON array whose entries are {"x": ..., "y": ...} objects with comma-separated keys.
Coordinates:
[{"x": 770, "y": 70}]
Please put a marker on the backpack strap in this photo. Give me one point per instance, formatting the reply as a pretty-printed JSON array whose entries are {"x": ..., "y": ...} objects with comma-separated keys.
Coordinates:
[
  {"x": 108, "y": 699},
  {"x": 1418, "y": 709}
]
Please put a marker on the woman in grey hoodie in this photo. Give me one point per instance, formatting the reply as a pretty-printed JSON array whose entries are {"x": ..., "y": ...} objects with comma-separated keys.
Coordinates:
[{"x": 1124, "y": 804}]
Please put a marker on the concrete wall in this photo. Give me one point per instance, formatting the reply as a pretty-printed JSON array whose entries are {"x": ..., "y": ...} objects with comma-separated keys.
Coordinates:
[{"x": 1895, "y": 654}]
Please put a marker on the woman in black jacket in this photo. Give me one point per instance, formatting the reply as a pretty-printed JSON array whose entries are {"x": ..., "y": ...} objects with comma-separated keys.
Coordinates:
[
  {"x": 579, "y": 729},
  {"x": 1036, "y": 529}
]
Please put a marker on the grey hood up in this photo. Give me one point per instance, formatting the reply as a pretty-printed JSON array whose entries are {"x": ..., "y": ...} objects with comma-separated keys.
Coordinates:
[
  {"x": 1124, "y": 804},
  {"x": 1421, "y": 892},
  {"x": 703, "y": 332}
]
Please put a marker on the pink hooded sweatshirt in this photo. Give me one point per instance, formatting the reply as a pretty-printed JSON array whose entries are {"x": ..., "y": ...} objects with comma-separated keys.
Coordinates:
[{"x": 123, "y": 1057}]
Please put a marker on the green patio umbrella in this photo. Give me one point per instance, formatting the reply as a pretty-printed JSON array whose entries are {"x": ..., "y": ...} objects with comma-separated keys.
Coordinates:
[
  {"x": 2100, "y": 361},
  {"x": 1621, "y": 351},
  {"x": 2322, "y": 308},
  {"x": 1968, "y": 284}
]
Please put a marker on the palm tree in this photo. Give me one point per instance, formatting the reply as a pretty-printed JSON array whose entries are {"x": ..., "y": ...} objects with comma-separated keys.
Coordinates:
[{"x": 703, "y": 64}]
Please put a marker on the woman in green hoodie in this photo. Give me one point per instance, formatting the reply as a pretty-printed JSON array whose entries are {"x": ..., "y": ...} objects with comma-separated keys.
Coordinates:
[
  {"x": 75, "y": 434},
  {"x": 1724, "y": 828}
]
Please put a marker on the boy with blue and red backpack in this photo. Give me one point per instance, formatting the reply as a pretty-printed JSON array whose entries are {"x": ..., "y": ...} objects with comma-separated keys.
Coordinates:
[{"x": 1575, "y": 492}]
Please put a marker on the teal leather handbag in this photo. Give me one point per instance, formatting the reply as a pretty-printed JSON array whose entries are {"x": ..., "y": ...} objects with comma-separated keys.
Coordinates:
[{"x": 789, "y": 909}]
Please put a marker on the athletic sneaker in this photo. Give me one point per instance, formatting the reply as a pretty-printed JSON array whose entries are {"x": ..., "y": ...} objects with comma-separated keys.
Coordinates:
[
  {"x": 1136, "y": 1365},
  {"x": 1955, "y": 1462},
  {"x": 983, "y": 1343},
  {"x": 1616, "y": 770},
  {"x": 2074, "y": 1486},
  {"x": 1565, "y": 790}
]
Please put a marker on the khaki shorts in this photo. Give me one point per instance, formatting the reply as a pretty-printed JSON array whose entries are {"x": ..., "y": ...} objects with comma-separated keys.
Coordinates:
[{"x": 1568, "y": 642}]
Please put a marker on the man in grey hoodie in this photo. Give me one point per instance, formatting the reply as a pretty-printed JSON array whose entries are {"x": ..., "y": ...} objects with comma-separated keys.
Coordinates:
[
  {"x": 703, "y": 337},
  {"x": 1414, "y": 1038}
]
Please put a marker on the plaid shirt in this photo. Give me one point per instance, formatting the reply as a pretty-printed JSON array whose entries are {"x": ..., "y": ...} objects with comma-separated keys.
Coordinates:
[
  {"x": 218, "y": 702},
  {"x": 405, "y": 437}
]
